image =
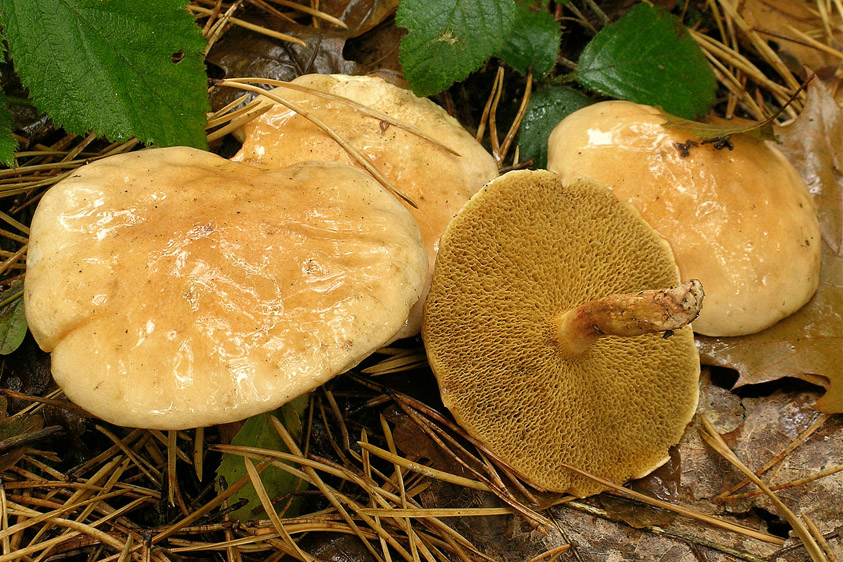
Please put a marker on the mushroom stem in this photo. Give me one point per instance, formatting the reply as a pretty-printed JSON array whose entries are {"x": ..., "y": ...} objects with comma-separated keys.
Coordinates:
[{"x": 660, "y": 310}]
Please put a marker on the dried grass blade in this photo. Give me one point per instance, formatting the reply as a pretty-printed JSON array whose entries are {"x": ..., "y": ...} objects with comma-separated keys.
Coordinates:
[
  {"x": 399, "y": 477},
  {"x": 552, "y": 554},
  {"x": 425, "y": 470},
  {"x": 81, "y": 494},
  {"x": 396, "y": 364},
  {"x": 266, "y": 502},
  {"x": 440, "y": 436},
  {"x": 40, "y": 517},
  {"x": 493, "y": 116},
  {"x": 311, "y": 12},
  {"x": 766, "y": 52},
  {"x": 76, "y": 529},
  {"x": 516, "y": 122},
  {"x": 353, "y": 152},
  {"x": 812, "y": 527},
  {"x": 739, "y": 61},
  {"x": 78, "y": 471},
  {"x": 250, "y": 26},
  {"x": 427, "y": 513},
  {"x": 199, "y": 452},
  {"x": 716, "y": 442},
  {"x": 107, "y": 487},
  {"x": 380, "y": 115},
  {"x": 149, "y": 471},
  {"x": 12, "y": 222},
  {"x": 293, "y": 447},
  {"x": 127, "y": 549},
  {"x": 222, "y": 117},
  {"x": 821, "y": 419},
  {"x": 172, "y": 480},
  {"x": 792, "y": 483},
  {"x": 214, "y": 503},
  {"x": 729, "y": 526},
  {"x": 4, "y": 520},
  {"x": 811, "y": 42}
]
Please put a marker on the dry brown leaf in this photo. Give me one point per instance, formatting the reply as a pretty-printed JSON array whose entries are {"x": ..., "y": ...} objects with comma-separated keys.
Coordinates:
[
  {"x": 776, "y": 21},
  {"x": 359, "y": 15},
  {"x": 814, "y": 145},
  {"x": 758, "y": 429},
  {"x": 808, "y": 344}
]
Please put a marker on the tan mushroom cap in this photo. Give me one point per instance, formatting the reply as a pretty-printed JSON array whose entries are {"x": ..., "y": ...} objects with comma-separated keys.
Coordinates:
[
  {"x": 741, "y": 221},
  {"x": 438, "y": 181},
  {"x": 523, "y": 250},
  {"x": 176, "y": 289}
]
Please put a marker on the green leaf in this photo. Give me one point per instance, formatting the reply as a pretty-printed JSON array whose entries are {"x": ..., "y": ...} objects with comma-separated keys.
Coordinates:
[
  {"x": 12, "y": 319},
  {"x": 118, "y": 68},
  {"x": 547, "y": 107},
  {"x": 8, "y": 144},
  {"x": 649, "y": 57},
  {"x": 258, "y": 432},
  {"x": 450, "y": 39},
  {"x": 762, "y": 130},
  {"x": 534, "y": 42}
]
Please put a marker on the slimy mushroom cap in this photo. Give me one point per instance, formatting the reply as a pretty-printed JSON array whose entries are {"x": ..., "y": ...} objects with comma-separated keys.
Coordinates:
[
  {"x": 740, "y": 220},
  {"x": 176, "y": 289},
  {"x": 437, "y": 180}
]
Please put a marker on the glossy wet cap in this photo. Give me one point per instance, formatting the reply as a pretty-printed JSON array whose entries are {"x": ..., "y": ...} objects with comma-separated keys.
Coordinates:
[
  {"x": 176, "y": 289},
  {"x": 523, "y": 250},
  {"x": 438, "y": 181},
  {"x": 741, "y": 221}
]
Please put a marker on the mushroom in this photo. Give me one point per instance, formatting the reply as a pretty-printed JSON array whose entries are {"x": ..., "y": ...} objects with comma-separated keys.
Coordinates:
[
  {"x": 176, "y": 289},
  {"x": 529, "y": 273},
  {"x": 438, "y": 181},
  {"x": 740, "y": 220}
]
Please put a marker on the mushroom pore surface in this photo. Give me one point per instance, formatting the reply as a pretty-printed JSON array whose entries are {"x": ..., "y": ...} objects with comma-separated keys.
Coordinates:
[
  {"x": 437, "y": 180},
  {"x": 741, "y": 221},
  {"x": 176, "y": 289},
  {"x": 523, "y": 250}
]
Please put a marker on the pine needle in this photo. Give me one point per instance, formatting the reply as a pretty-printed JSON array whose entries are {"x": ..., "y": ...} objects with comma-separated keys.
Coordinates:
[
  {"x": 250, "y": 26},
  {"x": 716, "y": 442},
  {"x": 379, "y": 115},
  {"x": 359, "y": 158}
]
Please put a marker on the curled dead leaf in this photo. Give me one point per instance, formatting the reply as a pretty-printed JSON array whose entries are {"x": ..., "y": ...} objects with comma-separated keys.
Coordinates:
[{"x": 809, "y": 343}]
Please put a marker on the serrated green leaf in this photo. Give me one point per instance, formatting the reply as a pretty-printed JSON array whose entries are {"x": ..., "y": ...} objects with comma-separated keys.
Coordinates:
[
  {"x": 258, "y": 432},
  {"x": 450, "y": 39},
  {"x": 547, "y": 107},
  {"x": 12, "y": 319},
  {"x": 534, "y": 42},
  {"x": 649, "y": 57},
  {"x": 118, "y": 68},
  {"x": 8, "y": 144}
]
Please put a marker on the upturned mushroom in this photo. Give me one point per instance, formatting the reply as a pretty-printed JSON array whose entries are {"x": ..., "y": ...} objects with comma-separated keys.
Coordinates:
[
  {"x": 740, "y": 220},
  {"x": 550, "y": 337},
  {"x": 176, "y": 289},
  {"x": 439, "y": 181}
]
